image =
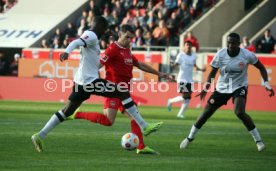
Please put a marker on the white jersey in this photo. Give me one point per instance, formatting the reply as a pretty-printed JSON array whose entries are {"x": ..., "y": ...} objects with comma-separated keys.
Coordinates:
[
  {"x": 233, "y": 70},
  {"x": 89, "y": 60},
  {"x": 186, "y": 66}
]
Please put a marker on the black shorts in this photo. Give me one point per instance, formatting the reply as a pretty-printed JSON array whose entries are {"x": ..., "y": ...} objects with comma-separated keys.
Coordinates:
[
  {"x": 98, "y": 87},
  {"x": 184, "y": 87},
  {"x": 219, "y": 99}
]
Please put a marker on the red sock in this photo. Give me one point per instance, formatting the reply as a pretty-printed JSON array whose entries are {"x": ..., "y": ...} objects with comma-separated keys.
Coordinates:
[
  {"x": 137, "y": 130},
  {"x": 94, "y": 117}
]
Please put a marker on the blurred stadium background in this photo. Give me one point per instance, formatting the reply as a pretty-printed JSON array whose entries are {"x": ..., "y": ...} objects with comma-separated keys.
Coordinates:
[{"x": 34, "y": 32}]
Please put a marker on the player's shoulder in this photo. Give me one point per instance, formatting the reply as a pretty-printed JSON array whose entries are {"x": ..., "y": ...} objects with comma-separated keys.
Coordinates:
[
  {"x": 221, "y": 54},
  {"x": 246, "y": 53},
  {"x": 89, "y": 35}
]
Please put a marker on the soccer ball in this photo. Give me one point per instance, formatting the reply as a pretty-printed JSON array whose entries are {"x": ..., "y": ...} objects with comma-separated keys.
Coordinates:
[{"x": 130, "y": 141}]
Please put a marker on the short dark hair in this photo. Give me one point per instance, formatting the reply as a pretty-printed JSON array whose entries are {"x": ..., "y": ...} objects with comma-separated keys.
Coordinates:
[
  {"x": 126, "y": 27},
  {"x": 234, "y": 35},
  {"x": 101, "y": 20}
]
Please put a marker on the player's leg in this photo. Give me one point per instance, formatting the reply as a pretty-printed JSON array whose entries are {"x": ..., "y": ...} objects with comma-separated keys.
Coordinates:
[
  {"x": 173, "y": 100},
  {"x": 239, "y": 109},
  {"x": 142, "y": 147},
  {"x": 75, "y": 100},
  {"x": 215, "y": 101},
  {"x": 108, "y": 89},
  {"x": 111, "y": 106},
  {"x": 186, "y": 92},
  {"x": 177, "y": 98}
]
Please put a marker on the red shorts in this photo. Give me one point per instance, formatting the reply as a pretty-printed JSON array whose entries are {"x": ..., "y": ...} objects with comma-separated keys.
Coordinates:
[{"x": 114, "y": 103}]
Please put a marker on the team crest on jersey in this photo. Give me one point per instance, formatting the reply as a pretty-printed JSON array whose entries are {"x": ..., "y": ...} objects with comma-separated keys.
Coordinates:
[
  {"x": 212, "y": 101},
  {"x": 104, "y": 58},
  {"x": 128, "y": 61},
  {"x": 86, "y": 37},
  {"x": 112, "y": 103},
  {"x": 241, "y": 64}
]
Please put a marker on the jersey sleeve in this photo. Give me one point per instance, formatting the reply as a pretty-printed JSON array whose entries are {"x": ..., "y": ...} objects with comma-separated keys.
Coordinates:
[
  {"x": 107, "y": 56},
  {"x": 215, "y": 62},
  {"x": 135, "y": 60},
  {"x": 178, "y": 59},
  {"x": 88, "y": 38},
  {"x": 252, "y": 59}
]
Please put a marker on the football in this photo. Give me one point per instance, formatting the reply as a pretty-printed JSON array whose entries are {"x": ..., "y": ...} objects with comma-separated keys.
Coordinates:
[{"x": 130, "y": 141}]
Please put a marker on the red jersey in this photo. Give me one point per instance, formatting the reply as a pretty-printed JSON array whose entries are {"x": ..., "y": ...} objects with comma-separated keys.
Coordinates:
[{"x": 118, "y": 62}]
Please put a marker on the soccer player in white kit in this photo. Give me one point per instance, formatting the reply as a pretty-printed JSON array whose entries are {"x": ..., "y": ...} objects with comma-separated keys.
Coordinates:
[
  {"x": 186, "y": 61},
  {"x": 233, "y": 64},
  {"x": 87, "y": 82}
]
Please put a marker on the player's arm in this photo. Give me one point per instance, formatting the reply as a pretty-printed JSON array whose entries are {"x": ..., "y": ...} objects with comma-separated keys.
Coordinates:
[
  {"x": 263, "y": 73},
  {"x": 147, "y": 68},
  {"x": 210, "y": 78},
  {"x": 199, "y": 69},
  {"x": 73, "y": 45}
]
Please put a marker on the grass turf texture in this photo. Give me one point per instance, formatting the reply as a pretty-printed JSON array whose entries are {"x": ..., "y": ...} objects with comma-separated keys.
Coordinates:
[{"x": 222, "y": 144}]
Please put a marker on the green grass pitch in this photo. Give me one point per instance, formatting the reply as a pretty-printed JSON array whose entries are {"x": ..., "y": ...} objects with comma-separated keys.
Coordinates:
[{"x": 222, "y": 144}]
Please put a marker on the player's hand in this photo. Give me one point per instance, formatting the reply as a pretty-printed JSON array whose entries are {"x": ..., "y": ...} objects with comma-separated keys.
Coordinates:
[
  {"x": 271, "y": 92},
  {"x": 63, "y": 56},
  {"x": 167, "y": 76},
  {"x": 202, "y": 94}
]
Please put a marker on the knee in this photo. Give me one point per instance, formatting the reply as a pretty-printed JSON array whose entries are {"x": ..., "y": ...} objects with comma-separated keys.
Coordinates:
[
  {"x": 239, "y": 113},
  {"x": 186, "y": 96}
]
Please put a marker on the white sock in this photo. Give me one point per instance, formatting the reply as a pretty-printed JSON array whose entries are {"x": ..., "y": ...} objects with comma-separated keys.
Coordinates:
[
  {"x": 183, "y": 108},
  {"x": 193, "y": 131},
  {"x": 53, "y": 122},
  {"x": 176, "y": 99},
  {"x": 134, "y": 113},
  {"x": 256, "y": 135}
]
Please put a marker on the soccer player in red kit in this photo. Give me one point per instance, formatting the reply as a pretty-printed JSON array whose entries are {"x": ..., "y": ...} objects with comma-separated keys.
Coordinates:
[{"x": 119, "y": 61}]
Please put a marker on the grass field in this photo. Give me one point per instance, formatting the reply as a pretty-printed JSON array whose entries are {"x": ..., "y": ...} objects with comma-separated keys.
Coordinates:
[{"x": 222, "y": 144}]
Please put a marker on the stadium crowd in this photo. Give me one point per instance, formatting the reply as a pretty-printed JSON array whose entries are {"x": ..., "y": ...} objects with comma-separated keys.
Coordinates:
[
  {"x": 157, "y": 22},
  {"x": 5, "y": 5}
]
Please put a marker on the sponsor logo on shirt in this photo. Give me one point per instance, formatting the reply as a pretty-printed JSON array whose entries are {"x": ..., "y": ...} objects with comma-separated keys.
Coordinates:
[
  {"x": 112, "y": 103},
  {"x": 241, "y": 64},
  {"x": 128, "y": 61},
  {"x": 104, "y": 58}
]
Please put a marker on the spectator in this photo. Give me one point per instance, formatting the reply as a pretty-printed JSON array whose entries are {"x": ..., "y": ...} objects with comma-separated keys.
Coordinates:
[
  {"x": 114, "y": 19},
  {"x": 266, "y": 43},
  {"x": 118, "y": 8},
  {"x": 139, "y": 18},
  {"x": 83, "y": 26},
  {"x": 247, "y": 45},
  {"x": 57, "y": 35},
  {"x": 70, "y": 31},
  {"x": 191, "y": 38},
  {"x": 4, "y": 66},
  {"x": 103, "y": 44},
  {"x": 149, "y": 40},
  {"x": 183, "y": 15},
  {"x": 274, "y": 51},
  {"x": 139, "y": 39},
  {"x": 14, "y": 65},
  {"x": 94, "y": 8},
  {"x": 65, "y": 43},
  {"x": 55, "y": 44},
  {"x": 107, "y": 15},
  {"x": 2, "y": 4},
  {"x": 161, "y": 34},
  {"x": 84, "y": 16},
  {"x": 44, "y": 44},
  {"x": 128, "y": 19}
]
